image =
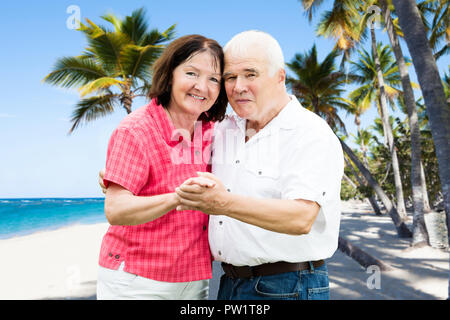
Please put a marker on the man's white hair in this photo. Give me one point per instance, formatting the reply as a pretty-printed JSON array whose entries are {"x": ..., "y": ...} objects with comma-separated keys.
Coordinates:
[{"x": 242, "y": 42}]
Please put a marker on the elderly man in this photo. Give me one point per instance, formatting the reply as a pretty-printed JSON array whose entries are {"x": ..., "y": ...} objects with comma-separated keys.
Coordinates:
[{"x": 277, "y": 167}]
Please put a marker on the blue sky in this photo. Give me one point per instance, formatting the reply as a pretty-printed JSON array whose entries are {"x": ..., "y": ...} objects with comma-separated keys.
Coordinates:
[{"x": 38, "y": 157}]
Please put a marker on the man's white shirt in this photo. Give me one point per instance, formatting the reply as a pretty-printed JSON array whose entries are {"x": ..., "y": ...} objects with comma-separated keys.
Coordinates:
[{"x": 295, "y": 156}]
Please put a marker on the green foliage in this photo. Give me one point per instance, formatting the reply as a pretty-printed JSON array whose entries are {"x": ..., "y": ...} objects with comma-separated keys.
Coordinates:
[{"x": 114, "y": 68}]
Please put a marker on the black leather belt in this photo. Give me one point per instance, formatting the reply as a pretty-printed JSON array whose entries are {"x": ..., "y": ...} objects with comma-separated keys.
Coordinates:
[{"x": 267, "y": 269}]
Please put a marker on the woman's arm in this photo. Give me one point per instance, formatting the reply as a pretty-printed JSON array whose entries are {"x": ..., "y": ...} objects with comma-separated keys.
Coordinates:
[{"x": 125, "y": 209}]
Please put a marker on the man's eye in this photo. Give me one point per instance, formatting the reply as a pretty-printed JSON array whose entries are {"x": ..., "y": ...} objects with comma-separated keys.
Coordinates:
[
  {"x": 230, "y": 78},
  {"x": 251, "y": 75}
]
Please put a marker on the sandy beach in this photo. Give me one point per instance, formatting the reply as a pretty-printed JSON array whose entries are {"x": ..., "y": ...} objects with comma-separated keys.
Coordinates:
[{"x": 62, "y": 264}]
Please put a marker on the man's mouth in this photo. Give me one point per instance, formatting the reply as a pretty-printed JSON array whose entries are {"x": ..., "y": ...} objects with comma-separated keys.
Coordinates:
[{"x": 242, "y": 100}]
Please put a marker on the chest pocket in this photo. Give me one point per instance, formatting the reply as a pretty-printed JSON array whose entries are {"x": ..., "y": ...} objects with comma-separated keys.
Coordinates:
[{"x": 262, "y": 158}]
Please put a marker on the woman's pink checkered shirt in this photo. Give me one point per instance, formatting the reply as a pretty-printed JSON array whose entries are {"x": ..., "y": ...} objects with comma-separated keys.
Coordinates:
[{"x": 146, "y": 157}]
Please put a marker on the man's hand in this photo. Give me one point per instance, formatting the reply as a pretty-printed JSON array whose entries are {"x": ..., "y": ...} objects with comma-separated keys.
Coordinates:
[
  {"x": 204, "y": 193},
  {"x": 101, "y": 174}
]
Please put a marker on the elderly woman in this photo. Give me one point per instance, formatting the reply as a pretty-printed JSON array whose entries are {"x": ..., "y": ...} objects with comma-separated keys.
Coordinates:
[{"x": 152, "y": 251}]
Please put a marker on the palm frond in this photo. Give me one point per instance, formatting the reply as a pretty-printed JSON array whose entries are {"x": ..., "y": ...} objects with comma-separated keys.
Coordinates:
[
  {"x": 69, "y": 72},
  {"x": 99, "y": 85},
  {"x": 92, "y": 108},
  {"x": 137, "y": 60},
  {"x": 135, "y": 26}
]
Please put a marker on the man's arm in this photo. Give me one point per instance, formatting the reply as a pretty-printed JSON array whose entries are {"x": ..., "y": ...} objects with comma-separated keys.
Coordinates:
[{"x": 293, "y": 217}]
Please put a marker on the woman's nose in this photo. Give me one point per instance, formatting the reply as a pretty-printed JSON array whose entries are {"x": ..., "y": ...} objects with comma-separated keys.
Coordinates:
[{"x": 201, "y": 84}]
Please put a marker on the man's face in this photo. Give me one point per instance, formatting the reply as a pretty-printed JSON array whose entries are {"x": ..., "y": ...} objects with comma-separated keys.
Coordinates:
[{"x": 249, "y": 86}]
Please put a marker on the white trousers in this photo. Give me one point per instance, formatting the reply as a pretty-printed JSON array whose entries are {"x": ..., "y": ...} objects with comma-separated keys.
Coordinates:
[{"x": 121, "y": 285}]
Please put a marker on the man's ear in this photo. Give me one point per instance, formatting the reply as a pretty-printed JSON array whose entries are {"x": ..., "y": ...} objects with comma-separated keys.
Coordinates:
[{"x": 282, "y": 76}]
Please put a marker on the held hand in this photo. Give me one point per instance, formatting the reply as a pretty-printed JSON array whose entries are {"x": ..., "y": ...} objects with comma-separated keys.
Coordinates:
[
  {"x": 203, "y": 193},
  {"x": 101, "y": 174}
]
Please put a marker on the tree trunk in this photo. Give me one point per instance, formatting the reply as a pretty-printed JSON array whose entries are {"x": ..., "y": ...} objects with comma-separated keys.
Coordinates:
[
  {"x": 420, "y": 233},
  {"x": 372, "y": 200},
  {"x": 402, "y": 229},
  {"x": 433, "y": 92},
  {"x": 354, "y": 186},
  {"x": 388, "y": 131},
  {"x": 426, "y": 201},
  {"x": 360, "y": 256},
  {"x": 127, "y": 99}
]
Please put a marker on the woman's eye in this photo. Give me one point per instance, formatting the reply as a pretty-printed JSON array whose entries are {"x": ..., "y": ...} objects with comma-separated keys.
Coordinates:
[
  {"x": 215, "y": 80},
  {"x": 192, "y": 74}
]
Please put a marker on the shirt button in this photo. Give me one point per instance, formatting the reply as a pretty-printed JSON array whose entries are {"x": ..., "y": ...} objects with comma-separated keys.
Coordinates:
[
  {"x": 220, "y": 253},
  {"x": 117, "y": 256},
  {"x": 220, "y": 222},
  {"x": 197, "y": 153},
  {"x": 260, "y": 172},
  {"x": 228, "y": 190},
  {"x": 110, "y": 254},
  {"x": 237, "y": 161},
  {"x": 204, "y": 228}
]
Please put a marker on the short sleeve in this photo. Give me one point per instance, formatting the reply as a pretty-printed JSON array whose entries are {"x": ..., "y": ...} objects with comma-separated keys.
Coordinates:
[
  {"x": 126, "y": 162},
  {"x": 313, "y": 170}
]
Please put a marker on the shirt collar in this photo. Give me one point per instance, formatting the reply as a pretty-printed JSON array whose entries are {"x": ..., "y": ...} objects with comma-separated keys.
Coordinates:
[
  {"x": 170, "y": 134},
  {"x": 162, "y": 120}
]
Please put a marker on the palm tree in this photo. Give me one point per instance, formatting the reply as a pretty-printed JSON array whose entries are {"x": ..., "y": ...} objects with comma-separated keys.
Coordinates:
[
  {"x": 419, "y": 194},
  {"x": 345, "y": 24},
  {"x": 115, "y": 67},
  {"x": 319, "y": 86},
  {"x": 382, "y": 99},
  {"x": 432, "y": 89},
  {"x": 400, "y": 225},
  {"x": 368, "y": 69},
  {"x": 439, "y": 26},
  {"x": 340, "y": 23},
  {"x": 364, "y": 140}
]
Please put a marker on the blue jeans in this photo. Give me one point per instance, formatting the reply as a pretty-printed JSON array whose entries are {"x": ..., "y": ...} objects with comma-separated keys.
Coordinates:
[{"x": 298, "y": 285}]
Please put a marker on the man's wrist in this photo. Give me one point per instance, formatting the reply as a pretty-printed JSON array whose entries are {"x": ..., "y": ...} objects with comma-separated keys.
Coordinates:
[{"x": 224, "y": 204}]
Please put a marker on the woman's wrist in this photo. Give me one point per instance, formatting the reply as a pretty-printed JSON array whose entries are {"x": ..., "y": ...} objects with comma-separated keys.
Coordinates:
[{"x": 174, "y": 200}]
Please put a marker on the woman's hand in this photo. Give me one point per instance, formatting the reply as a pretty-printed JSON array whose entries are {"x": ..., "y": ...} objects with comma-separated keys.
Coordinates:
[
  {"x": 204, "y": 193},
  {"x": 101, "y": 174}
]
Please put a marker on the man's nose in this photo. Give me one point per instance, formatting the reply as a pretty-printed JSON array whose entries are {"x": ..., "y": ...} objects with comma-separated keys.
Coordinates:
[{"x": 239, "y": 85}]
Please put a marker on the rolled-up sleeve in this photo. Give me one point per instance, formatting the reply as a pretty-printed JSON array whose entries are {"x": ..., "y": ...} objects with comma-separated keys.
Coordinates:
[{"x": 126, "y": 162}]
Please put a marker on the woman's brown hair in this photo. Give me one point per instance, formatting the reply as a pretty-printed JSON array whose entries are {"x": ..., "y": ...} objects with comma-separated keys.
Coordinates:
[{"x": 175, "y": 54}]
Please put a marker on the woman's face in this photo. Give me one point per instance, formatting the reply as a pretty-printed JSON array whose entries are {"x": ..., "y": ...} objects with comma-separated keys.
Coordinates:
[{"x": 195, "y": 84}]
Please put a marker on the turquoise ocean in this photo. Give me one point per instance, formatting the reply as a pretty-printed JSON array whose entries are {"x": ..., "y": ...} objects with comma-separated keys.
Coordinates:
[{"x": 19, "y": 217}]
